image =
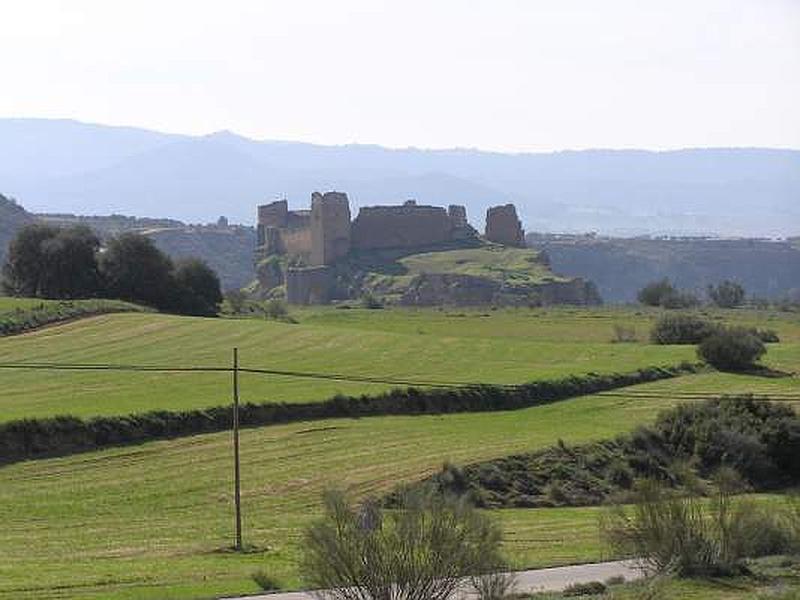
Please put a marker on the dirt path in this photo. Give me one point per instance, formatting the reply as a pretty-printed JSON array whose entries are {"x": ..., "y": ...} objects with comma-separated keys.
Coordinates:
[{"x": 537, "y": 580}]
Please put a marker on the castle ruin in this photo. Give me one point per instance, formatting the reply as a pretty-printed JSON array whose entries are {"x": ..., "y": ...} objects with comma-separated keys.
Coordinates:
[
  {"x": 504, "y": 227},
  {"x": 314, "y": 240}
]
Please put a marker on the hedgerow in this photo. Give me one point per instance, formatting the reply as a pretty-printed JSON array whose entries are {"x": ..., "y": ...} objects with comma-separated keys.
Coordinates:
[
  {"x": 20, "y": 320},
  {"x": 31, "y": 438}
]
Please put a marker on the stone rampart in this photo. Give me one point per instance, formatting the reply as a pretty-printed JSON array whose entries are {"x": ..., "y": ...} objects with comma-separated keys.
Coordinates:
[
  {"x": 405, "y": 226},
  {"x": 309, "y": 285}
]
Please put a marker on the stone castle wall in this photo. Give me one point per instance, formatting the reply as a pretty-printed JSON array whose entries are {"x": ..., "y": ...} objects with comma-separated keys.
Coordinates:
[
  {"x": 324, "y": 234},
  {"x": 406, "y": 226},
  {"x": 309, "y": 285}
]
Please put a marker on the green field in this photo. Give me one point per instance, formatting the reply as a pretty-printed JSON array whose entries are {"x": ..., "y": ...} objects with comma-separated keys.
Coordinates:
[
  {"x": 154, "y": 520},
  {"x": 520, "y": 265},
  {"x": 504, "y": 346}
]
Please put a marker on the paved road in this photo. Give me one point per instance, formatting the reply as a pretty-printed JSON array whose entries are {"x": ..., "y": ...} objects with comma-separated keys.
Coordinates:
[{"x": 538, "y": 580}]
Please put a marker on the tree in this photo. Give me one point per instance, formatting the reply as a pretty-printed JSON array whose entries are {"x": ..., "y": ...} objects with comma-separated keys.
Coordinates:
[
  {"x": 135, "y": 270},
  {"x": 198, "y": 288},
  {"x": 653, "y": 293},
  {"x": 732, "y": 349},
  {"x": 663, "y": 293},
  {"x": 53, "y": 262},
  {"x": 727, "y": 294},
  {"x": 423, "y": 549}
]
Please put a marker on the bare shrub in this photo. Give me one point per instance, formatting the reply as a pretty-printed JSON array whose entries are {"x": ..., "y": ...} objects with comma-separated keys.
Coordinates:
[
  {"x": 496, "y": 585},
  {"x": 424, "y": 549}
]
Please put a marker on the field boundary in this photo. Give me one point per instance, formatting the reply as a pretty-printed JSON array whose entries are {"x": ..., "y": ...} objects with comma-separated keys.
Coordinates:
[
  {"x": 27, "y": 439},
  {"x": 48, "y": 314}
]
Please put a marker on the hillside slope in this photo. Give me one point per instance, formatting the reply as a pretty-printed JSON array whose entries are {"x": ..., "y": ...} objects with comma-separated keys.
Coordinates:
[
  {"x": 621, "y": 267},
  {"x": 12, "y": 218}
]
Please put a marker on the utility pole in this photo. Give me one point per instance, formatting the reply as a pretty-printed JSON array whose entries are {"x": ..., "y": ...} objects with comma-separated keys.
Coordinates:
[{"x": 236, "y": 473}]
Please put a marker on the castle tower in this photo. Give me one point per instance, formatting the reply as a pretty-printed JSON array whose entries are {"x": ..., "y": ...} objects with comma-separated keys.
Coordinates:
[
  {"x": 504, "y": 227},
  {"x": 330, "y": 227}
]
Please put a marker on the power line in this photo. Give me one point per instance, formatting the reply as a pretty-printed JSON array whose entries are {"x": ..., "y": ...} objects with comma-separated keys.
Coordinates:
[{"x": 216, "y": 369}]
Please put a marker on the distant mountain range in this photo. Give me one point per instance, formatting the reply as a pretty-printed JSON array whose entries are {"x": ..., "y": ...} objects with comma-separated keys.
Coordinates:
[{"x": 66, "y": 166}]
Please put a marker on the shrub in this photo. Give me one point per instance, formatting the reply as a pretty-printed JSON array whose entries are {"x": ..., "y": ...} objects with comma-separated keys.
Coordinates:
[
  {"x": 680, "y": 299},
  {"x": 691, "y": 536},
  {"x": 423, "y": 549},
  {"x": 685, "y": 446},
  {"x": 653, "y": 293},
  {"x": 589, "y": 588},
  {"x": 497, "y": 585},
  {"x": 768, "y": 336},
  {"x": 663, "y": 293},
  {"x": 236, "y": 301},
  {"x": 732, "y": 349},
  {"x": 369, "y": 300},
  {"x": 682, "y": 329},
  {"x": 727, "y": 294},
  {"x": 265, "y": 581},
  {"x": 276, "y": 309}
]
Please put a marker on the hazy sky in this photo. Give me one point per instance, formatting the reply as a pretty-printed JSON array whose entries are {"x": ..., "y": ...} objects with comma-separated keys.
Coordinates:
[{"x": 496, "y": 74}]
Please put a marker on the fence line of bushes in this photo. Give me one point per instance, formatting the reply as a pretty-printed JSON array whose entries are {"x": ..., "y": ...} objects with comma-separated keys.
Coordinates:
[
  {"x": 61, "y": 435},
  {"x": 20, "y": 320}
]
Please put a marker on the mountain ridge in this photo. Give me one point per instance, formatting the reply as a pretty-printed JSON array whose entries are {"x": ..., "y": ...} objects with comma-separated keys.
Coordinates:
[{"x": 69, "y": 166}]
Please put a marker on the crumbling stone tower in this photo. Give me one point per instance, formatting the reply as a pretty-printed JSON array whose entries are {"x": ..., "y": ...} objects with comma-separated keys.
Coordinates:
[
  {"x": 330, "y": 227},
  {"x": 504, "y": 227}
]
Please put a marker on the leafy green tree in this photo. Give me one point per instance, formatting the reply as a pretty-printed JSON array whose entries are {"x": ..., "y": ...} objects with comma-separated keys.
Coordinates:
[
  {"x": 727, "y": 294},
  {"x": 135, "y": 270},
  {"x": 198, "y": 288},
  {"x": 53, "y": 262}
]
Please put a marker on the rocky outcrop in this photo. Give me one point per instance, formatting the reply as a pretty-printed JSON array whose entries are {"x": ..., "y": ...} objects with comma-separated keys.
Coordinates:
[
  {"x": 466, "y": 290},
  {"x": 504, "y": 227}
]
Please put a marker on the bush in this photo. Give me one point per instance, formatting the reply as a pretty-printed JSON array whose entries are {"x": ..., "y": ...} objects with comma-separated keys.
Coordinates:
[
  {"x": 682, "y": 329},
  {"x": 266, "y": 582},
  {"x": 685, "y": 446},
  {"x": 423, "y": 549},
  {"x": 653, "y": 293},
  {"x": 727, "y": 294},
  {"x": 590, "y": 588},
  {"x": 663, "y": 293},
  {"x": 369, "y": 300},
  {"x": 732, "y": 349},
  {"x": 768, "y": 336},
  {"x": 276, "y": 309},
  {"x": 689, "y": 536},
  {"x": 496, "y": 585}
]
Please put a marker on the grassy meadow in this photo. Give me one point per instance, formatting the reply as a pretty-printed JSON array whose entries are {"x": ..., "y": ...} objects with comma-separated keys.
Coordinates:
[
  {"x": 504, "y": 346},
  {"x": 154, "y": 521}
]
